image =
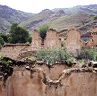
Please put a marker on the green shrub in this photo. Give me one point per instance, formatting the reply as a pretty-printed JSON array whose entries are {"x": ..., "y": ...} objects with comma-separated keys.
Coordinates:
[
  {"x": 18, "y": 34},
  {"x": 88, "y": 53},
  {"x": 5, "y": 62},
  {"x": 30, "y": 39},
  {"x": 7, "y": 65},
  {"x": 5, "y": 37},
  {"x": 95, "y": 17},
  {"x": 53, "y": 55},
  {"x": 1, "y": 41},
  {"x": 43, "y": 30}
]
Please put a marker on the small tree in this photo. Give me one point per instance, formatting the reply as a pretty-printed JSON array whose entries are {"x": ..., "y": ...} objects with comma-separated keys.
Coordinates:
[
  {"x": 18, "y": 34},
  {"x": 43, "y": 30},
  {"x": 5, "y": 37},
  {"x": 1, "y": 41},
  {"x": 95, "y": 17}
]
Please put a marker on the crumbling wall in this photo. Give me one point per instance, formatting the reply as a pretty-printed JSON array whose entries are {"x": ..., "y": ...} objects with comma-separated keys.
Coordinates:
[
  {"x": 73, "y": 41},
  {"x": 52, "y": 39},
  {"x": 36, "y": 40},
  {"x": 94, "y": 36},
  {"x": 2, "y": 89},
  {"x": 13, "y": 51},
  {"x": 89, "y": 43}
]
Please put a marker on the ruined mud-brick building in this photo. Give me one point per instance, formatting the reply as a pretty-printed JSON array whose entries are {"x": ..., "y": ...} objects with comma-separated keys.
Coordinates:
[
  {"x": 89, "y": 39},
  {"x": 68, "y": 38},
  {"x": 55, "y": 39},
  {"x": 51, "y": 40},
  {"x": 17, "y": 50}
]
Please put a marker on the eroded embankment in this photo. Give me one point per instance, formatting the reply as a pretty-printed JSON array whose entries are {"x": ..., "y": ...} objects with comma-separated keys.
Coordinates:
[{"x": 44, "y": 82}]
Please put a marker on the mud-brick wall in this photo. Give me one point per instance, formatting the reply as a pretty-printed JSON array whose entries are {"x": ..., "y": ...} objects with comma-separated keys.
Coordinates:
[
  {"x": 87, "y": 44},
  {"x": 36, "y": 40},
  {"x": 94, "y": 36},
  {"x": 77, "y": 84},
  {"x": 52, "y": 39},
  {"x": 2, "y": 89},
  {"x": 13, "y": 51},
  {"x": 73, "y": 41}
]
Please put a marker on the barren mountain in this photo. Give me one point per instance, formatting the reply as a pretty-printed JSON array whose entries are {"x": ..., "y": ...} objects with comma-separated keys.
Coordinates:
[
  {"x": 9, "y": 16},
  {"x": 59, "y": 18}
]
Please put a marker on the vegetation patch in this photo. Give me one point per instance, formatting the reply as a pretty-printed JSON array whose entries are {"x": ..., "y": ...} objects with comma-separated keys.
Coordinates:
[
  {"x": 43, "y": 30},
  {"x": 52, "y": 56},
  {"x": 88, "y": 53}
]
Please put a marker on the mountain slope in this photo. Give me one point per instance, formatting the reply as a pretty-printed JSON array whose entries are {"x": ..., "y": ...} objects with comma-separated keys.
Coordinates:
[
  {"x": 9, "y": 16},
  {"x": 42, "y": 18},
  {"x": 59, "y": 18},
  {"x": 62, "y": 17}
]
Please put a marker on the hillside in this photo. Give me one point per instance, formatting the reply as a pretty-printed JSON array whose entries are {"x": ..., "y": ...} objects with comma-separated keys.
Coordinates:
[
  {"x": 41, "y": 18},
  {"x": 62, "y": 17},
  {"x": 9, "y": 16},
  {"x": 59, "y": 18}
]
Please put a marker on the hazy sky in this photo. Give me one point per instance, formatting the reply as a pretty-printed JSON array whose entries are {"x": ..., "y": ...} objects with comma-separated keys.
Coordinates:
[{"x": 35, "y": 6}]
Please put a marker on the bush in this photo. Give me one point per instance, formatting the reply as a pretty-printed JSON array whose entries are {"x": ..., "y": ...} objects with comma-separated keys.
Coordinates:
[
  {"x": 95, "y": 17},
  {"x": 4, "y": 36},
  {"x": 1, "y": 41},
  {"x": 5, "y": 62},
  {"x": 18, "y": 34},
  {"x": 30, "y": 39},
  {"x": 53, "y": 55},
  {"x": 88, "y": 53},
  {"x": 43, "y": 30},
  {"x": 6, "y": 67}
]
